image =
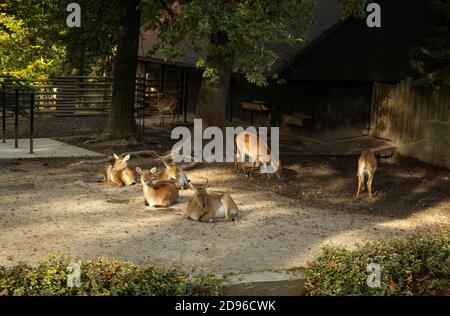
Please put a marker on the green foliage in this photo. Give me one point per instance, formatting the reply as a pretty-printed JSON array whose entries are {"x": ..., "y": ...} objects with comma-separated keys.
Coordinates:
[
  {"x": 354, "y": 8},
  {"x": 100, "y": 277},
  {"x": 24, "y": 51},
  {"x": 240, "y": 33},
  {"x": 36, "y": 42},
  {"x": 415, "y": 266},
  {"x": 435, "y": 50}
]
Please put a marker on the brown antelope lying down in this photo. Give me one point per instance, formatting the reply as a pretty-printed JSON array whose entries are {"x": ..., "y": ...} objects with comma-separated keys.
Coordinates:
[
  {"x": 248, "y": 144},
  {"x": 367, "y": 164},
  {"x": 119, "y": 173},
  {"x": 164, "y": 104},
  {"x": 163, "y": 193},
  {"x": 172, "y": 172},
  {"x": 210, "y": 207}
]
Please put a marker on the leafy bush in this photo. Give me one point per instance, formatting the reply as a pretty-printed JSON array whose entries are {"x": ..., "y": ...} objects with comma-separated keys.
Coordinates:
[
  {"x": 101, "y": 277},
  {"x": 415, "y": 266}
]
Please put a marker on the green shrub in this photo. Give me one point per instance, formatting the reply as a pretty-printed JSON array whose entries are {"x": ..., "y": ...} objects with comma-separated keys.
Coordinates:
[
  {"x": 415, "y": 266},
  {"x": 101, "y": 277}
]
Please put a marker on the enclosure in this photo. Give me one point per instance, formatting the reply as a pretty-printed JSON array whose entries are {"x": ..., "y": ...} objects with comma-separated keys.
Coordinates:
[{"x": 111, "y": 101}]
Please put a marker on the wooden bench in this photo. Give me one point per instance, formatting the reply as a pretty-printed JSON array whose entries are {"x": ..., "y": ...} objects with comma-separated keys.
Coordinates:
[
  {"x": 256, "y": 106},
  {"x": 297, "y": 119}
]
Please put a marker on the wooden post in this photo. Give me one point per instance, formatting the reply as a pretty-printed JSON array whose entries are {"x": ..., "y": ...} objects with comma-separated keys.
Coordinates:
[
  {"x": 273, "y": 118},
  {"x": 161, "y": 78},
  {"x": 372, "y": 111},
  {"x": 184, "y": 94},
  {"x": 4, "y": 111},
  {"x": 16, "y": 121},
  {"x": 31, "y": 122},
  {"x": 231, "y": 98}
]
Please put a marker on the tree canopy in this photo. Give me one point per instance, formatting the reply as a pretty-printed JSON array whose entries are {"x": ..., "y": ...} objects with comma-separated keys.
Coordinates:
[
  {"x": 435, "y": 48},
  {"x": 244, "y": 34}
]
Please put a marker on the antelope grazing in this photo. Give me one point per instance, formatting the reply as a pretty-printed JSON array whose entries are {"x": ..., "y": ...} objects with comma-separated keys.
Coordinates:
[
  {"x": 248, "y": 144},
  {"x": 164, "y": 104},
  {"x": 119, "y": 173},
  {"x": 367, "y": 164},
  {"x": 172, "y": 172},
  {"x": 210, "y": 207},
  {"x": 163, "y": 193}
]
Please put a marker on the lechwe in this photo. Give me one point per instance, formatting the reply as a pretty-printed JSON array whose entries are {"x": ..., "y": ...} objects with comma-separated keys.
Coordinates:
[
  {"x": 367, "y": 165},
  {"x": 163, "y": 193},
  {"x": 164, "y": 104},
  {"x": 173, "y": 172},
  {"x": 248, "y": 144},
  {"x": 210, "y": 207},
  {"x": 119, "y": 173}
]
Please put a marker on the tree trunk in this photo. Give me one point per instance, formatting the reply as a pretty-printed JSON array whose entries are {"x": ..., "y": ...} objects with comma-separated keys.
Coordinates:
[
  {"x": 212, "y": 99},
  {"x": 121, "y": 123}
]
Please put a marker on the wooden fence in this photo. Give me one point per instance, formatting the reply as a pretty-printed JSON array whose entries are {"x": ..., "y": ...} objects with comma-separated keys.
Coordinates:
[
  {"x": 399, "y": 112},
  {"x": 78, "y": 96}
]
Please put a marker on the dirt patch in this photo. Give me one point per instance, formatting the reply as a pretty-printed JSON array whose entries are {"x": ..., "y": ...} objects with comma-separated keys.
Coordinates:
[
  {"x": 54, "y": 206},
  {"x": 280, "y": 228}
]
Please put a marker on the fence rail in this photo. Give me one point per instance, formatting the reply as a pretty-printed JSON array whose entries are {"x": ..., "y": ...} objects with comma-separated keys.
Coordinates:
[
  {"x": 399, "y": 112},
  {"x": 79, "y": 96}
]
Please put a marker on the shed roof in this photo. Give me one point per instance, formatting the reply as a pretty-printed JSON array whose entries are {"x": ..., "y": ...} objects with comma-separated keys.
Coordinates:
[{"x": 326, "y": 15}]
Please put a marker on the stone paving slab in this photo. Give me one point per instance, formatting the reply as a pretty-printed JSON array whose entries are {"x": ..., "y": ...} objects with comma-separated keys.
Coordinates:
[{"x": 43, "y": 148}]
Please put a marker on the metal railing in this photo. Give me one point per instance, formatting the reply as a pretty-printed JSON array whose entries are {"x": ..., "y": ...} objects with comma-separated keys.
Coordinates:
[{"x": 11, "y": 100}]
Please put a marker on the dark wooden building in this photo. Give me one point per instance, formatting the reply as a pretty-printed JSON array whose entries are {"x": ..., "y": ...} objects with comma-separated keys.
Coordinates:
[{"x": 328, "y": 81}]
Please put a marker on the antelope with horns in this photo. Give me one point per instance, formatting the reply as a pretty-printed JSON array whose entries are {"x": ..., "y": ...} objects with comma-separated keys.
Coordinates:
[
  {"x": 210, "y": 207},
  {"x": 166, "y": 103},
  {"x": 367, "y": 165},
  {"x": 248, "y": 144},
  {"x": 174, "y": 173},
  {"x": 119, "y": 173},
  {"x": 163, "y": 193}
]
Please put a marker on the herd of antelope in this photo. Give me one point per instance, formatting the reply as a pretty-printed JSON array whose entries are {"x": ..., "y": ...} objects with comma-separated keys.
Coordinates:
[{"x": 161, "y": 189}]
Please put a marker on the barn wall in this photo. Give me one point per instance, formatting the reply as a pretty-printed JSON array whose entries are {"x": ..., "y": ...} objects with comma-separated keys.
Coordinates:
[
  {"x": 243, "y": 91},
  {"x": 355, "y": 52},
  {"x": 339, "y": 109},
  {"x": 194, "y": 80}
]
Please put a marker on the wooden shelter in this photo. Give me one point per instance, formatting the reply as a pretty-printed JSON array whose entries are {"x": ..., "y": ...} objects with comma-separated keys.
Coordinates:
[{"x": 328, "y": 81}]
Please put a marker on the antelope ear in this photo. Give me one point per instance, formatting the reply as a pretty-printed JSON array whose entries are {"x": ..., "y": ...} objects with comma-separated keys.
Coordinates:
[
  {"x": 153, "y": 170},
  {"x": 116, "y": 157},
  {"x": 127, "y": 157},
  {"x": 138, "y": 170},
  {"x": 191, "y": 186}
]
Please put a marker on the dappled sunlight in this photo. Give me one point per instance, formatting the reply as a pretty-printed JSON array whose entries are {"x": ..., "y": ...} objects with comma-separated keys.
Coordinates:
[{"x": 70, "y": 213}]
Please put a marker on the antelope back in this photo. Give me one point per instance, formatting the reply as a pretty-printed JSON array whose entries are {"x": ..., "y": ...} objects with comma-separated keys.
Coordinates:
[
  {"x": 251, "y": 145},
  {"x": 367, "y": 161},
  {"x": 166, "y": 102}
]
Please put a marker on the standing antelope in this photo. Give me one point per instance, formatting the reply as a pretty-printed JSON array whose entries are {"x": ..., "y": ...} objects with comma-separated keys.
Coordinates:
[
  {"x": 367, "y": 164},
  {"x": 210, "y": 207},
  {"x": 166, "y": 103},
  {"x": 163, "y": 193},
  {"x": 119, "y": 173},
  {"x": 251, "y": 145}
]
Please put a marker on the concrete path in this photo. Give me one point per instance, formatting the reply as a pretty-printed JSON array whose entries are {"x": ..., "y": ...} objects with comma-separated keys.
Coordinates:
[{"x": 43, "y": 148}]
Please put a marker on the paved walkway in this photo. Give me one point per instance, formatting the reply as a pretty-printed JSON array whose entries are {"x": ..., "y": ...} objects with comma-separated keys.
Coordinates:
[{"x": 43, "y": 148}]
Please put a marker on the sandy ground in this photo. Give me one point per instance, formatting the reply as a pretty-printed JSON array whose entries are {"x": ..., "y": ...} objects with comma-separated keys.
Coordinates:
[{"x": 50, "y": 207}]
